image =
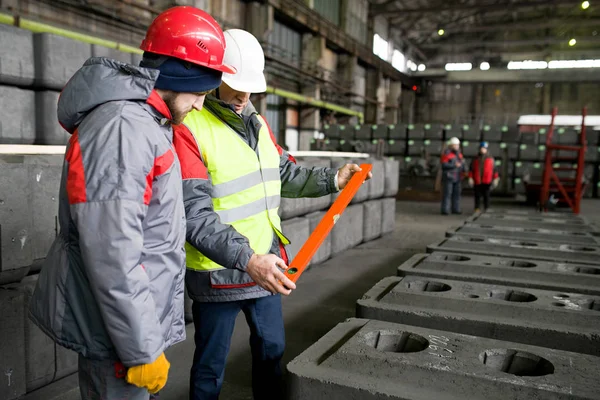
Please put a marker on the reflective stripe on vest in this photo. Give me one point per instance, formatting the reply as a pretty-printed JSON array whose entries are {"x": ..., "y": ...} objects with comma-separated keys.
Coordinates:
[{"x": 246, "y": 188}]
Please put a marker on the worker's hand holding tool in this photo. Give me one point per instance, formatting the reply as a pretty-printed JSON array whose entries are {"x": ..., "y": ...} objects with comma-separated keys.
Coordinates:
[
  {"x": 495, "y": 183},
  {"x": 263, "y": 269},
  {"x": 471, "y": 182},
  {"x": 346, "y": 172},
  {"x": 151, "y": 376}
]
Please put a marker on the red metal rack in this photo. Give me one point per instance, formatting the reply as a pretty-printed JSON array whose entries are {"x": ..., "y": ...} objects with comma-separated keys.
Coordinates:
[{"x": 567, "y": 189}]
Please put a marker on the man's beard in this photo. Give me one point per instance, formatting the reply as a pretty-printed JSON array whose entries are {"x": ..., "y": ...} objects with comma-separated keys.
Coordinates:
[{"x": 177, "y": 116}]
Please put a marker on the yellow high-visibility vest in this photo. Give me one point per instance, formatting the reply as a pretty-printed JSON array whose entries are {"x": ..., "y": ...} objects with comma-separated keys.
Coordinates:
[{"x": 246, "y": 187}]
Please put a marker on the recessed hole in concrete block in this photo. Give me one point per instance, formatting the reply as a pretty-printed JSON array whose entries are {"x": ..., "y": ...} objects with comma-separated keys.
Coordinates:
[
  {"x": 594, "y": 305},
  {"x": 578, "y": 233},
  {"x": 512, "y": 295},
  {"x": 453, "y": 257},
  {"x": 428, "y": 286},
  {"x": 475, "y": 239},
  {"x": 562, "y": 296},
  {"x": 581, "y": 248},
  {"x": 579, "y": 270},
  {"x": 530, "y": 230},
  {"x": 528, "y": 244},
  {"x": 536, "y": 219},
  {"x": 487, "y": 263},
  {"x": 519, "y": 363},
  {"x": 557, "y": 304},
  {"x": 518, "y": 264},
  {"x": 396, "y": 342},
  {"x": 486, "y": 226},
  {"x": 595, "y": 234},
  {"x": 473, "y": 296}
]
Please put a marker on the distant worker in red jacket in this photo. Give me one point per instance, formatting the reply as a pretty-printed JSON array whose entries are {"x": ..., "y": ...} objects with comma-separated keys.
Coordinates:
[{"x": 483, "y": 177}]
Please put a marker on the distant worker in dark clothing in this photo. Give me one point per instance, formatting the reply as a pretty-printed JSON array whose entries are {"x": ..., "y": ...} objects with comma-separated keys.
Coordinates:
[
  {"x": 452, "y": 170},
  {"x": 483, "y": 177}
]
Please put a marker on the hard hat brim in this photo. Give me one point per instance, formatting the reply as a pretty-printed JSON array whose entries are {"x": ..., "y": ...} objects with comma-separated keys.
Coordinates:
[{"x": 258, "y": 83}]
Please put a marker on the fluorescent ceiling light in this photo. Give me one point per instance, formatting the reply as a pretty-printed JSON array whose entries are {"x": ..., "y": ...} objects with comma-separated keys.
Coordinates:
[
  {"x": 484, "y": 66},
  {"x": 562, "y": 64},
  {"x": 528, "y": 64},
  {"x": 422, "y": 67},
  {"x": 458, "y": 66}
]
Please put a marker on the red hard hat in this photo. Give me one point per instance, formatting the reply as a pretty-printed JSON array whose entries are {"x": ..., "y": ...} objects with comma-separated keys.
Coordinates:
[{"x": 189, "y": 34}]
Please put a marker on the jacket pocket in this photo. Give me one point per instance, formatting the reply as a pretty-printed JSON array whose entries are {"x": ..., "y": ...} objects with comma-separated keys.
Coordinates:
[{"x": 230, "y": 279}]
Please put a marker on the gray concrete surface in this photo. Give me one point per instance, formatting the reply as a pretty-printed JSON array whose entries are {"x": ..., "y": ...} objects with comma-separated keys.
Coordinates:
[
  {"x": 388, "y": 215},
  {"x": 12, "y": 344},
  {"x": 565, "y": 321},
  {"x": 534, "y": 213},
  {"x": 348, "y": 230},
  {"x": 18, "y": 115},
  {"x": 101, "y": 51},
  {"x": 522, "y": 233},
  {"x": 57, "y": 58},
  {"x": 369, "y": 360},
  {"x": 372, "y": 219},
  {"x": 538, "y": 221},
  {"x": 16, "y": 56},
  {"x": 377, "y": 182},
  {"x": 324, "y": 251},
  {"x": 533, "y": 274},
  {"x": 391, "y": 176},
  {"x": 297, "y": 231},
  {"x": 530, "y": 249},
  {"x": 48, "y": 130}
]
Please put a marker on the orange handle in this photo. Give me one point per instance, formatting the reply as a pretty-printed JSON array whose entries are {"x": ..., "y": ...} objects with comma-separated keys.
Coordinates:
[{"x": 310, "y": 247}]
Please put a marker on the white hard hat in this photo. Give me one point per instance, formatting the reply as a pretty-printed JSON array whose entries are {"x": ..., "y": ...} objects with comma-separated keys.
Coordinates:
[
  {"x": 243, "y": 51},
  {"x": 454, "y": 140}
]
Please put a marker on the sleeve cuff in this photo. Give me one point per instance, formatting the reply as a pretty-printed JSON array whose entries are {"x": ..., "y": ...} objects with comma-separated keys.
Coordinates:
[
  {"x": 335, "y": 181},
  {"x": 244, "y": 258}
]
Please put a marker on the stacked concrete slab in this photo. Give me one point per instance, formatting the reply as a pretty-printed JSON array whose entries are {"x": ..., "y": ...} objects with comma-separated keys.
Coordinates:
[{"x": 507, "y": 306}]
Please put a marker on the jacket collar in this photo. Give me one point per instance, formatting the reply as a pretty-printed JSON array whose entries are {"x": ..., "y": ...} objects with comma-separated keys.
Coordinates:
[{"x": 159, "y": 105}]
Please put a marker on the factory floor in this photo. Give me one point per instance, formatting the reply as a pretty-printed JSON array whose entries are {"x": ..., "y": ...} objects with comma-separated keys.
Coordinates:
[{"x": 325, "y": 296}]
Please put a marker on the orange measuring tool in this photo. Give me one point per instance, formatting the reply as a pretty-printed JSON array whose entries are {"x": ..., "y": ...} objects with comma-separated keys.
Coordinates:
[{"x": 310, "y": 247}]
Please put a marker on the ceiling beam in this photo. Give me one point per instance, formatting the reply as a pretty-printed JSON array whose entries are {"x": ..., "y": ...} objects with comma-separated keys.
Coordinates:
[
  {"x": 538, "y": 23},
  {"x": 509, "y": 43},
  {"x": 504, "y": 6}
]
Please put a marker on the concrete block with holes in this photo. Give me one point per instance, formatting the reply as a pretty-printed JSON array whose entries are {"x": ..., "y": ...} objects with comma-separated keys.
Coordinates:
[
  {"x": 48, "y": 130},
  {"x": 376, "y": 360},
  {"x": 348, "y": 230},
  {"x": 16, "y": 56},
  {"x": 12, "y": 344},
  {"x": 391, "y": 176},
  {"x": 522, "y": 233},
  {"x": 534, "y": 274},
  {"x": 533, "y": 213},
  {"x": 57, "y": 58},
  {"x": 18, "y": 115},
  {"x": 560, "y": 320},
  {"x": 529, "y": 249},
  {"x": 295, "y": 207},
  {"x": 388, "y": 215},
  {"x": 324, "y": 251},
  {"x": 534, "y": 221},
  {"x": 297, "y": 231},
  {"x": 372, "y": 219}
]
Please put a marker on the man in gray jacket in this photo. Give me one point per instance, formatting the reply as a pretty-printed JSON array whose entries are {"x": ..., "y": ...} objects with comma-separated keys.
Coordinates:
[
  {"x": 234, "y": 174},
  {"x": 111, "y": 287}
]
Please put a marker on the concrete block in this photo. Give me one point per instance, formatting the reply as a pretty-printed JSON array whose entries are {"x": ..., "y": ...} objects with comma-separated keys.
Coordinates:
[
  {"x": 57, "y": 58},
  {"x": 415, "y": 131},
  {"x": 544, "y": 275},
  {"x": 372, "y": 219},
  {"x": 40, "y": 350},
  {"x": 362, "y": 132},
  {"x": 332, "y": 131},
  {"x": 348, "y": 231},
  {"x": 377, "y": 183},
  {"x": 397, "y": 131},
  {"x": 529, "y": 152},
  {"x": 392, "y": 176},
  {"x": 532, "y": 213},
  {"x": 512, "y": 150},
  {"x": 16, "y": 56},
  {"x": 114, "y": 54},
  {"x": 45, "y": 186},
  {"x": 349, "y": 134},
  {"x": 434, "y": 147},
  {"x": 538, "y": 221},
  {"x": 414, "y": 147},
  {"x": 48, "y": 130},
  {"x": 12, "y": 343},
  {"x": 388, "y": 215},
  {"x": 17, "y": 122},
  {"x": 16, "y": 226},
  {"x": 530, "y": 249},
  {"x": 522, "y": 233},
  {"x": 297, "y": 231},
  {"x": 294, "y": 207},
  {"x": 324, "y": 251},
  {"x": 511, "y": 134},
  {"x": 470, "y": 148},
  {"x": 376, "y": 360},
  {"x": 136, "y": 59},
  {"x": 396, "y": 147},
  {"x": 380, "y": 131},
  {"x": 433, "y": 131},
  {"x": 492, "y": 133},
  {"x": 563, "y": 321},
  {"x": 471, "y": 133}
]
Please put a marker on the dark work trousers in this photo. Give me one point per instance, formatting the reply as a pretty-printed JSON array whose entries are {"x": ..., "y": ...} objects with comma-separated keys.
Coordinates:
[
  {"x": 214, "y": 324},
  {"x": 482, "y": 191},
  {"x": 450, "y": 196},
  {"x": 103, "y": 380}
]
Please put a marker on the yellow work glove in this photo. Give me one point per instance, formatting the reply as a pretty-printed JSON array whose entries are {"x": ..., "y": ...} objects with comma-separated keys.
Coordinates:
[{"x": 150, "y": 376}]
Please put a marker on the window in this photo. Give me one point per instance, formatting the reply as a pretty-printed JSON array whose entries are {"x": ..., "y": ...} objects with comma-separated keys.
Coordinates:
[
  {"x": 399, "y": 61},
  {"x": 380, "y": 47}
]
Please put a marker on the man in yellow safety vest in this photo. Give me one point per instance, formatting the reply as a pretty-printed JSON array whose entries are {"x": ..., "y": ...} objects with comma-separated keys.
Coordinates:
[{"x": 234, "y": 174}]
